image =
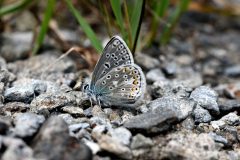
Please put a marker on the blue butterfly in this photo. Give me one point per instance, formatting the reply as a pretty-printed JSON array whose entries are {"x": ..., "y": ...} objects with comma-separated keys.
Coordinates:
[{"x": 116, "y": 79}]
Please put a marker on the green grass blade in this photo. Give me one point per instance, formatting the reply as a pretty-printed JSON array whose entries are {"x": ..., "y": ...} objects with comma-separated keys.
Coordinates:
[
  {"x": 135, "y": 17},
  {"x": 44, "y": 26},
  {"x": 116, "y": 7},
  {"x": 173, "y": 20},
  {"x": 17, "y": 6},
  {"x": 86, "y": 27}
]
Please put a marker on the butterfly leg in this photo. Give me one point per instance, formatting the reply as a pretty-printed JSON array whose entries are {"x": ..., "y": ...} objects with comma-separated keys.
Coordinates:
[
  {"x": 99, "y": 102},
  {"x": 91, "y": 101}
]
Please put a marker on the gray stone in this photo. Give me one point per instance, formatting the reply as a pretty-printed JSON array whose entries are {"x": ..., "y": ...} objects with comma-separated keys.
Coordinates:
[
  {"x": 19, "y": 93},
  {"x": 229, "y": 119},
  {"x": 232, "y": 71},
  {"x": 27, "y": 124},
  {"x": 218, "y": 138},
  {"x": 155, "y": 75},
  {"x": 6, "y": 76},
  {"x": 181, "y": 106},
  {"x": 166, "y": 88},
  {"x": 228, "y": 104},
  {"x": 54, "y": 142},
  {"x": 121, "y": 134},
  {"x": 78, "y": 126},
  {"x": 201, "y": 115},
  {"x": 152, "y": 122},
  {"x": 113, "y": 146},
  {"x": 146, "y": 62},
  {"x": 206, "y": 98},
  {"x": 170, "y": 69},
  {"x": 140, "y": 141},
  {"x": 15, "y": 149},
  {"x": 16, "y": 45}
]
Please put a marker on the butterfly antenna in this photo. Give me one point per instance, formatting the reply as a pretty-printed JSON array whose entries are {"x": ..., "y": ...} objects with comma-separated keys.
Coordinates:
[{"x": 57, "y": 60}]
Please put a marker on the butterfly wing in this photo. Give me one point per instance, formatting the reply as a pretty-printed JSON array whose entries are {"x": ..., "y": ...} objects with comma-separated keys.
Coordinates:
[
  {"x": 116, "y": 53},
  {"x": 123, "y": 85}
]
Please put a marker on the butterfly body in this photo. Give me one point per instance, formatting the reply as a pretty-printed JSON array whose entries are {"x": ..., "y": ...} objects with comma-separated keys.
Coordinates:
[{"x": 116, "y": 80}]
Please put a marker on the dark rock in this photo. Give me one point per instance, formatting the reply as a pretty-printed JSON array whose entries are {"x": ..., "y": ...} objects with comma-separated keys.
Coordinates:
[
  {"x": 19, "y": 93},
  {"x": 228, "y": 104},
  {"x": 201, "y": 115},
  {"x": 206, "y": 98},
  {"x": 15, "y": 149},
  {"x": 54, "y": 142},
  {"x": 146, "y": 62},
  {"x": 182, "y": 107},
  {"x": 5, "y": 124},
  {"x": 27, "y": 124},
  {"x": 233, "y": 71},
  {"x": 140, "y": 141}
]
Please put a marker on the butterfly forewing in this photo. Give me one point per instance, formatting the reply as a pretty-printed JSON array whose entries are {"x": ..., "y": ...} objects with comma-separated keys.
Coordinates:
[{"x": 116, "y": 53}]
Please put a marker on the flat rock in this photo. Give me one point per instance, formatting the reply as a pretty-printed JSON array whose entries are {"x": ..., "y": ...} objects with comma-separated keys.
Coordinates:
[
  {"x": 153, "y": 121},
  {"x": 206, "y": 98},
  {"x": 181, "y": 106},
  {"x": 27, "y": 124},
  {"x": 54, "y": 142},
  {"x": 77, "y": 111}
]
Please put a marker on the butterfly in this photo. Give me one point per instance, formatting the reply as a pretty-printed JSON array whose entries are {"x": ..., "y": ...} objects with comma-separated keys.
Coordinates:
[{"x": 116, "y": 79}]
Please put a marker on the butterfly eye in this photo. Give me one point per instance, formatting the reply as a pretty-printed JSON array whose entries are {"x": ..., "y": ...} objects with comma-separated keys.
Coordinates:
[
  {"x": 125, "y": 76},
  {"x": 123, "y": 89},
  {"x": 109, "y": 76},
  {"x": 111, "y": 88},
  {"x": 115, "y": 58},
  {"x": 116, "y": 42},
  {"x": 135, "y": 71},
  {"x": 116, "y": 63},
  {"x": 116, "y": 75},
  {"x": 107, "y": 55},
  {"x": 126, "y": 80},
  {"x": 126, "y": 57}
]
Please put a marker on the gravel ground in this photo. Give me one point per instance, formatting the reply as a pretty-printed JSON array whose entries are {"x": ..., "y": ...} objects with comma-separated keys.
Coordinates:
[{"x": 191, "y": 109}]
